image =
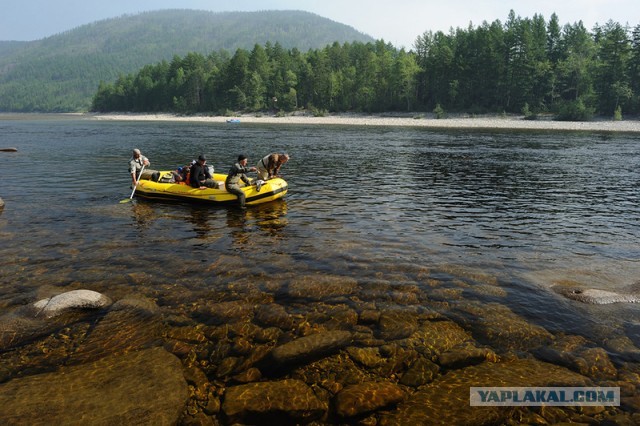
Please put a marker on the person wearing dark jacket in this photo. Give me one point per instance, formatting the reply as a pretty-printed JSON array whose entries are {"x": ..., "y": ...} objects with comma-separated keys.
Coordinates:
[
  {"x": 236, "y": 174},
  {"x": 200, "y": 176}
]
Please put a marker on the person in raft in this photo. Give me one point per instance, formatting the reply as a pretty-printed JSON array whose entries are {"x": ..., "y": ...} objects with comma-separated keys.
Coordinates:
[
  {"x": 236, "y": 174},
  {"x": 200, "y": 176},
  {"x": 269, "y": 166},
  {"x": 136, "y": 162}
]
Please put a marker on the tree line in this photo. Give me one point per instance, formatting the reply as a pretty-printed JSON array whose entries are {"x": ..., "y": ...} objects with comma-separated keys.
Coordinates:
[
  {"x": 60, "y": 73},
  {"x": 524, "y": 65}
]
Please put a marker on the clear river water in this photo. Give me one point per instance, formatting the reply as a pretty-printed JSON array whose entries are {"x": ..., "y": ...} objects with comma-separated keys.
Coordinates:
[{"x": 525, "y": 212}]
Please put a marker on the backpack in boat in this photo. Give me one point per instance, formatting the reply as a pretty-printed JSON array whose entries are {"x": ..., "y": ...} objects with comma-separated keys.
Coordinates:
[{"x": 166, "y": 178}]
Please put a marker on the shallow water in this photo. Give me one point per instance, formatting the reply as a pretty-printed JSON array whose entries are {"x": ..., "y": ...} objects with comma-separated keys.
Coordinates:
[
  {"x": 475, "y": 211},
  {"x": 529, "y": 208}
]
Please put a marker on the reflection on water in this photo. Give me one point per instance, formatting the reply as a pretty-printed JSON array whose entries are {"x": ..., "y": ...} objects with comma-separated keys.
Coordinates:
[{"x": 426, "y": 246}]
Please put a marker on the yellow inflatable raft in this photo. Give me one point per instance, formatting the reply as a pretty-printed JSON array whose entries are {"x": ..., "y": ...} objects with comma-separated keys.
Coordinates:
[{"x": 271, "y": 190}]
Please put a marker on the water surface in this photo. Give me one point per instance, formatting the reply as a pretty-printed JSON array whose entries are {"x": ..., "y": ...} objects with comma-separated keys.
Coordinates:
[{"x": 530, "y": 209}]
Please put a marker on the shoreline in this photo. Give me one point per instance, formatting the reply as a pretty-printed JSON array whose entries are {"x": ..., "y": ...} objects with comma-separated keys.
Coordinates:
[{"x": 399, "y": 120}]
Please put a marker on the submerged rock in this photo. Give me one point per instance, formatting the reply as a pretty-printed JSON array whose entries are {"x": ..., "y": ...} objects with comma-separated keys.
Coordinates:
[
  {"x": 15, "y": 329},
  {"x": 466, "y": 354},
  {"x": 130, "y": 324},
  {"x": 435, "y": 337},
  {"x": 397, "y": 324},
  {"x": 421, "y": 372},
  {"x": 364, "y": 398},
  {"x": 310, "y": 347},
  {"x": 321, "y": 287},
  {"x": 140, "y": 387},
  {"x": 623, "y": 347},
  {"x": 225, "y": 312},
  {"x": 367, "y": 357},
  {"x": 75, "y": 299},
  {"x": 273, "y": 315},
  {"x": 280, "y": 402},
  {"x": 572, "y": 352},
  {"x": 46, "y": 315},
  {"x": 500, "y": 327},
  {"x": 446, "y": 400}
]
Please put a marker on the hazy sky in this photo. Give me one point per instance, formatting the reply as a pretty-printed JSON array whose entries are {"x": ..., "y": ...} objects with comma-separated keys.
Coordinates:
[{"x": 398, "y": 22}]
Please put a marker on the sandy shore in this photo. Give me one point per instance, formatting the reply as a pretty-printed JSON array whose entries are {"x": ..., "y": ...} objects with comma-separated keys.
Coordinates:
[{"x": 484, "y": 122}]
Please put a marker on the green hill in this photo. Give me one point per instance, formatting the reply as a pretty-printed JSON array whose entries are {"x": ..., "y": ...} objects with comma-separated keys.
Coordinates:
[{"x": 62, "y": 72}]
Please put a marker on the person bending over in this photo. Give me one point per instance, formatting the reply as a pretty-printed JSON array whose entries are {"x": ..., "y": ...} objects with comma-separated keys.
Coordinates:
[{"x": 269, "y": 166}]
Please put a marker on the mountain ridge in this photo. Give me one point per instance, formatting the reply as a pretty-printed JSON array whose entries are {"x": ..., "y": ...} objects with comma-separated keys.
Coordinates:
[{"x": 61, "y": 72}]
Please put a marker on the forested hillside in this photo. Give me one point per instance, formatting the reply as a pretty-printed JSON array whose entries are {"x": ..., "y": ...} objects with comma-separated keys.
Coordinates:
[
  {"x": 524, "y": 65},
  {"x": 62, "y": 72}
]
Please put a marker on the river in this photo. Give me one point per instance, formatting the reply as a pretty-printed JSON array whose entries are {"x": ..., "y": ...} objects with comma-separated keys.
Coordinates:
[{"x": 526, "y": 212}]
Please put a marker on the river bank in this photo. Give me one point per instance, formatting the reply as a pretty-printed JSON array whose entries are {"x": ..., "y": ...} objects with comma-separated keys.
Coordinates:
[{"x": 407, "y": 120}]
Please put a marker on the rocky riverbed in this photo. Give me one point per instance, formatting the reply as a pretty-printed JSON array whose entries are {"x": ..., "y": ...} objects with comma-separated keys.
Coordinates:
[{"x": 309, "y": 349}]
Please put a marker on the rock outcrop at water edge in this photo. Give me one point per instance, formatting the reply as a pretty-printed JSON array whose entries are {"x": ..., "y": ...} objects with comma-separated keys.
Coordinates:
[{"x": 596, "y": 296}]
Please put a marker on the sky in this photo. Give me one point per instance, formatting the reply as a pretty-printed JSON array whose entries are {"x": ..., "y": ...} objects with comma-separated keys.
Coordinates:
[{"x": 398, "y": 22}]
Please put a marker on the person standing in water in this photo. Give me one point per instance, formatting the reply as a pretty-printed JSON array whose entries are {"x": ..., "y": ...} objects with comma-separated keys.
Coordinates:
[{"x": 237, "y": 173}]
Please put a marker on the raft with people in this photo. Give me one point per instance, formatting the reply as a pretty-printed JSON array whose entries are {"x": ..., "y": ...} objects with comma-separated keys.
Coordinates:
[{"x": 162, "y": 186}]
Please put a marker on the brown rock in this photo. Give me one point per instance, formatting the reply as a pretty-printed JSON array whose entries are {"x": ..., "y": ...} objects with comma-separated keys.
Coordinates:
[
  {"x": 140, "y": 387},
  {"x": 320, "y": 287},
  {"x": 434, "y": 337},
  {"x": 273, "y": 315},
  {"x": 569, "y": 351},
  {"x": 272, "y": 403},
  {"x": 420, "y": 373},
  {"x": 310, "y": 347},
  {"x": 332, "y": 317},
  {"x": 465, "y": 354},
  {"x": 500, "y": 327},
  {"x": 225, "y": 312},
  {"x": 187, "y": 334},
  {"x": 369, "y": 316},
  {"x": 195, "y": 376},
  {"x": 247, "y": 376},
  {"x": 363, "y": 398},
  {"x": 397, "y": 324},
  {"x": 131, "y": 324},
  {"x": 368, "y": 357},
  {"x": 446, "y": 400}
]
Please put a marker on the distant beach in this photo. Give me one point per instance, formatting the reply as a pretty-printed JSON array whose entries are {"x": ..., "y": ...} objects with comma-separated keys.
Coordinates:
[{"x": 416, "y": 120}]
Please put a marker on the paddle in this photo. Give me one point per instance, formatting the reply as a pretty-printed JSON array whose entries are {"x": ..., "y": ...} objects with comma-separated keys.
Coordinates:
[{"x": 126, "y": 200}]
